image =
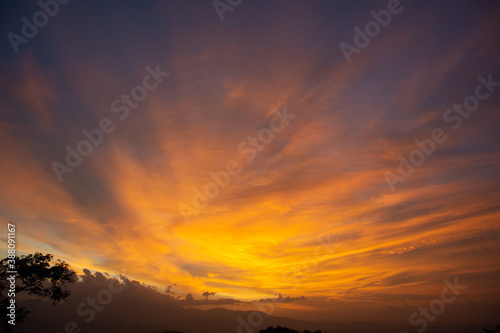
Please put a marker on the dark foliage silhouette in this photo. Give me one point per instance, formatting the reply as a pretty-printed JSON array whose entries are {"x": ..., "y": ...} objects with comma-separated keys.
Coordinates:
[
  {"x": 36, "y": 275},
  {"x": 207, "y": 293},
  {"x": 491, "y": 331}
]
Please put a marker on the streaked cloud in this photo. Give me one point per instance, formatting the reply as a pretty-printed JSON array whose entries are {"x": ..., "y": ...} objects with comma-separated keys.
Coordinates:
[{"x": 322, "y": 177}]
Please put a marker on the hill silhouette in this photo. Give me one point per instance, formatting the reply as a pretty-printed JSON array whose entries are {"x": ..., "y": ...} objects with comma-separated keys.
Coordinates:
[{"x": 279, "y": 329}]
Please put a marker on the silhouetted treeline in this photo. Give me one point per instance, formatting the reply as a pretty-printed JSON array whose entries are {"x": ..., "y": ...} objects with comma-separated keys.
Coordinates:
[{"x": 491, "y": 331}]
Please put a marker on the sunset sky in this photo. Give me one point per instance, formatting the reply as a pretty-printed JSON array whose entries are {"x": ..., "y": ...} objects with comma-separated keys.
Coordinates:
[{"x": 310, "y": 212}]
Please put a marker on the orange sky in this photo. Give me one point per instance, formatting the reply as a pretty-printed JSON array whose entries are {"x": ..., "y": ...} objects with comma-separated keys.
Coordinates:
[{"x": 319, "y": 181}]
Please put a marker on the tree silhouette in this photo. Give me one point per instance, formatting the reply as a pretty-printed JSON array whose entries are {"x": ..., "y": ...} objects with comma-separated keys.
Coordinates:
[
  {"x": 490, "y": 331},
  {"x": 36, "y": 275},
  {"x": 207, "y": 293}
]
